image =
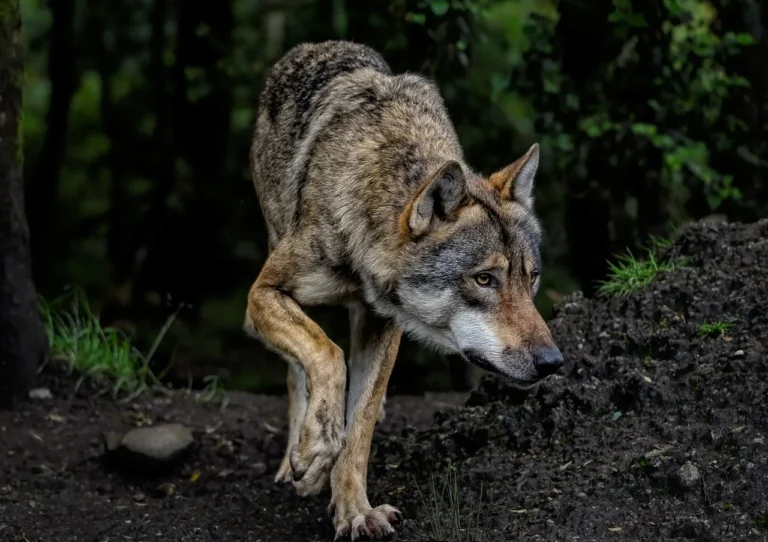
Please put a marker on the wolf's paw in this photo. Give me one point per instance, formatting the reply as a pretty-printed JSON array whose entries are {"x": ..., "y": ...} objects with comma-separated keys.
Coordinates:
[
  {"x": 368, "y": 523},
  {"x": 313, "y": 457}
]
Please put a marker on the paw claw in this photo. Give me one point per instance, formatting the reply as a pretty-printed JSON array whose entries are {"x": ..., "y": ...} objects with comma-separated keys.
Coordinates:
[
  {"x": 285, "y": 473},
  {"x": 373, "y": 524}
]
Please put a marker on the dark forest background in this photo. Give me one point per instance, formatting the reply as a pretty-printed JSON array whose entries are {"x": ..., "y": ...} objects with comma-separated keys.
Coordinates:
[{"x": 138, "y": 116}]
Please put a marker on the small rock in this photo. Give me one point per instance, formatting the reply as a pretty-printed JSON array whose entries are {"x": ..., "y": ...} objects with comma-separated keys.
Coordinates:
[
  {"x": 149, "y": 449},
  {"x": 165, "y": 489},
  {"x": 738, "y": 354},
  {"x": 40, "y": 469},
  {"x": 688, "y": 475},
  {"x": 258, "y": 468},
  {"x": 581, "y": 495},
  {"x": 40, "y": 394},
  {"x": 550, "y": 523},
  {"x": 139, "y": 497}
]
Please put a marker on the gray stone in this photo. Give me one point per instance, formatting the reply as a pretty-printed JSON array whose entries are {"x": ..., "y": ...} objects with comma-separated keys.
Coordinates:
[
  {"x": 153, "y": 448},
  {"x": 40, "y": 394},
  {"x": 688, "y": 475}
]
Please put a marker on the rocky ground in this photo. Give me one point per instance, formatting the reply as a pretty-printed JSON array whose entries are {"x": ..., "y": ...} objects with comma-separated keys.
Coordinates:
[{"x": 654, "y": 431}]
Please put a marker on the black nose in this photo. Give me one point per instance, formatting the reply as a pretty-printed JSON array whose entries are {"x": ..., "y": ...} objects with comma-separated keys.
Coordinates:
[{"x": 547, "y": 360}]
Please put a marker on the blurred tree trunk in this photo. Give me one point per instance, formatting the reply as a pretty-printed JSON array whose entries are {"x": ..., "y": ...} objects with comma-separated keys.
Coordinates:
[
  {"x": 201, "y": 116},
  {"x": 588, "y": 205},
  {"x": 45, "y": 176},
  {"x": 23, "y": 343},
  {"x": 163, "y": 160},
  {"x": 204, "y": 98},
  {"x": 108, "y": 47}
]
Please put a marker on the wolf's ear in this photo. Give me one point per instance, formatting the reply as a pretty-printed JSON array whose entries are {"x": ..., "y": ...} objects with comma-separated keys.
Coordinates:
[
  {"x": 515, "y": 182},
  {"x": 438, "y": 199}
]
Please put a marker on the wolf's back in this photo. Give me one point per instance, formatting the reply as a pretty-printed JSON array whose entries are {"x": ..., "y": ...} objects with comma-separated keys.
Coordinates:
[
  {"x": 302, "y": 73},
  {"x": 287, "y": 110}
]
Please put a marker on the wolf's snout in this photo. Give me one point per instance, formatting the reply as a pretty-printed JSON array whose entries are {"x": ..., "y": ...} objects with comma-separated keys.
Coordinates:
[{"x": 547, "y": 360}]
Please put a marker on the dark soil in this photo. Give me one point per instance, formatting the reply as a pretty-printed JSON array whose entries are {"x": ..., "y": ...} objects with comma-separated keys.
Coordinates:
[{"x": 652, "y": 432}]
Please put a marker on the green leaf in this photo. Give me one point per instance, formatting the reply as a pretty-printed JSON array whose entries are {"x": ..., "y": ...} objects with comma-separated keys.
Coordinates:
[
  {"x": 417, "y": 18},
  {"x": 439, "y": 7},
  {"x": 673, "y": 6},
  {"x": 499, "y": 83},
  {"x": 741, "y": 38},
  {"x": 641, "y": 128}
]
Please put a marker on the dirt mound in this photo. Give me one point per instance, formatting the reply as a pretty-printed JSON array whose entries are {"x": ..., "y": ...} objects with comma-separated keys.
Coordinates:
[{"x": 656, "y": 430}]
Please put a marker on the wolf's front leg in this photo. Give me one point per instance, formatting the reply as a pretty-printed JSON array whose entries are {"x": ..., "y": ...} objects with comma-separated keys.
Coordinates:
[
  {"x": 296, "y": 381},
  {"x": 284, "y": 327},
  {"x": 374, "y": 345}
]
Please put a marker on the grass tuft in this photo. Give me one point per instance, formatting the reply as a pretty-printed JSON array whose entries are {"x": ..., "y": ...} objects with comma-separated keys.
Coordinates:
[
  {"x": 716, "y": 329},
  {"x": 445, "y": 514},
  {"x": 629, "y": 274},
  {"x": 104, "y": 356}
]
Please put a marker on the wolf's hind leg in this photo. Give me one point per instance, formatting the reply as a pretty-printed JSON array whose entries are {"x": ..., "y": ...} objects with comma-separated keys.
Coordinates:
[
  {"x": 284, "y": 327},
  {"x": 297, "y": 409},
  {"x": 374, "y": 345}
]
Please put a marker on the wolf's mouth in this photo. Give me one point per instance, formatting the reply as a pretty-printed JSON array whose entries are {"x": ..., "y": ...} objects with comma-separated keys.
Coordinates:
[
  {"x": 480, "y": 361},
  {"x": 518, "y": 379}
]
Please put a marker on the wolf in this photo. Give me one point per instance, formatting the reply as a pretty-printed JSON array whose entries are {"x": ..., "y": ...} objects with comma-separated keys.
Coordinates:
[{"x": 370, "y": 204}]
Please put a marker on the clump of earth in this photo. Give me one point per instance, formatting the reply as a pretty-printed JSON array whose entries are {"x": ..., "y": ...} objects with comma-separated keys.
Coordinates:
[{"x": 656, "y": 429}]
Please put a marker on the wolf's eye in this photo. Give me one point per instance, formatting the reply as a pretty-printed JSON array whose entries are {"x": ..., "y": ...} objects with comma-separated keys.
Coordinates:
[
  {"x": 484, "y": 279},
  {"x": 534, "y": 275}
]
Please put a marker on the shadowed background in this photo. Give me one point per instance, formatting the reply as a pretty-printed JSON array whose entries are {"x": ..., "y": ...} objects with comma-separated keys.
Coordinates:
[{"x": 138, "y": 116}]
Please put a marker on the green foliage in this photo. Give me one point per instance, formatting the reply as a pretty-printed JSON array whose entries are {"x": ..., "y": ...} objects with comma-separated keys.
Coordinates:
[
  {"x": 448, "y": 521},
  {"x": 656, "y": 106},
  {"x": 716, "y": 329},
  {"x": 629, "y": 274},
  {"x": 105, "y": 356}
]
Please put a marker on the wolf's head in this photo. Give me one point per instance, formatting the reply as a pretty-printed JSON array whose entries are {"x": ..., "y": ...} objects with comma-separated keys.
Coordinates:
[{"x": 472, "y": 268}]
